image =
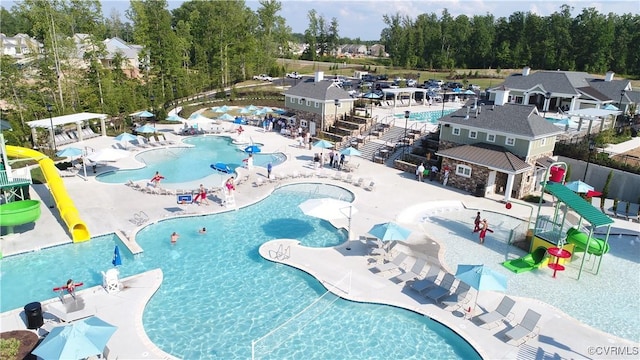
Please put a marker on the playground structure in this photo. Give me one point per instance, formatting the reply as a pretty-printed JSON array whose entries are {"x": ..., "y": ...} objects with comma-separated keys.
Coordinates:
[
  {"x": 554, "y": 232},
  {"x": 19, "y": 212}
]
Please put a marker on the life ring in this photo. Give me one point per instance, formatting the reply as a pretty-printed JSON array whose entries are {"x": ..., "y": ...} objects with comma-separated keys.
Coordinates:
[{"x": 62, "y": 288}]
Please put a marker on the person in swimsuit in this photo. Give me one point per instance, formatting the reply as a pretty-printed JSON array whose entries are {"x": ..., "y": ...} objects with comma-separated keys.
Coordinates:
[
  {"x": 155, "y": 180},
  {"x": 70, "y": 287},
  {"x": 203, "y": 230},
  {"x": 230, "y": 186},
  {"x": 477, "y": 221},
  {"x": 484, "y": 227},
  {"x": 174, "y": 237},
  {"x": 202, "y": 194}
]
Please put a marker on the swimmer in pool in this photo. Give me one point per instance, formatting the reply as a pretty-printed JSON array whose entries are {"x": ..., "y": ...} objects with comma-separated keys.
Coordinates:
[{"x": 174, "y": 237}]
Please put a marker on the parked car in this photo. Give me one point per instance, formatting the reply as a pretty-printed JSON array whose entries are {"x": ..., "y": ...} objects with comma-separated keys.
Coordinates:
[
  {"x": 365, "y": 84},
  {"x": 435, "y": 82},
  {"x": 411, "y": 83},
  {"x": 454, "y": 85},
  {"x": 294, "y": 75},
  {"x": 473, "y": 87},
  {"x": 262, "y": 77}
]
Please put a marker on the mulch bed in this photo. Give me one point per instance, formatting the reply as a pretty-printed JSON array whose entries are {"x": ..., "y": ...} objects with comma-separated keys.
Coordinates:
[{"x": 28, "y": 341}]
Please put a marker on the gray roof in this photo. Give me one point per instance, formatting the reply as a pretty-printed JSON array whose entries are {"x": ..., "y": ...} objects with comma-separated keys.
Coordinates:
[
  {"x": 610, "y": 89},
  {"x": 491, "y": 156},
  {"x": 323, "y": 90},
  {"x": 515, "y": 119}
]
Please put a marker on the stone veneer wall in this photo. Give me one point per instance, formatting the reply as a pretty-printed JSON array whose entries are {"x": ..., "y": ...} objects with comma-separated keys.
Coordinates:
[{"x": 329, "y": 119}]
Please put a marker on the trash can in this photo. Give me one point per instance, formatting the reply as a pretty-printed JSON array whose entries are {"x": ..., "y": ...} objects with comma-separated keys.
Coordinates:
[
  {"x": 480, "y": 189},
  {"x": 556, "y": 174},
  {"x": 33, "y": 312}
]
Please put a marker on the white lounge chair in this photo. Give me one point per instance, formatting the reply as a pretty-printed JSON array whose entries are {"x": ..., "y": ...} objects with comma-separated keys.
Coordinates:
[
  {"x": 415, "y": 271},
  {"x": 370, "y": 186},
  {"x": 359, "y": 182},
  {"x": 608, "y": 208},
  {"x": 428, "y": 281},
  {"x": 526, "y": 329},
  {"x": 393, "y": 264},
  {"x": 632, "y": 214},
  {"x": 596, "y": 202},
  {"x": 503, "y": 311}
]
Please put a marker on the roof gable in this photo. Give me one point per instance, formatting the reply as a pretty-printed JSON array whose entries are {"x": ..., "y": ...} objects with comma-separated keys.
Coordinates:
[
  {"x": 515, "y": 119},
  {"x": 322, "y": 90},
  {"x": 491, "y": 156}
]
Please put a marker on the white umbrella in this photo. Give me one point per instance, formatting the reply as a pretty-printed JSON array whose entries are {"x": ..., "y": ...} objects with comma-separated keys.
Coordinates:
[
  {"x": 108, "y": 154},
  {"x": 329, "y": 209}
]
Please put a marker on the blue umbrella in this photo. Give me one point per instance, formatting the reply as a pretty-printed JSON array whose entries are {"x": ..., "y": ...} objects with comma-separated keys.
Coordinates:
[
  {"x": 389, "y": 231},
  {"x": 69, "y": 152},
  {"x": 126, "y": 137},
  {"x": 222, "y": 109},
  {"x": 611, "y": 107},
  {"x": 350, "y": 151},
  {"x": 116, "y": 257},
  {"x": 323, "y": 144},
  {"x": 469, "y": 92},
  {"x": 226, "y": 117},
  {"x": 252, "y": 149},
  {"x": 579, "y": 186},
  {"x": 267, "y": 109},
  {"x": 174, "y": 117},
  {"x": 144, "y": 114},
  {"x": 371, "y": 95},
  {"x": 146, "y": 129},
  {"x": 78, "y": 340},
  {"x": 239, "y": 120},
  {"x": 481, "y": 278},
  {"x": 245, "y": 111},
  {"x": 260, "y": 112},
  {"x": 252, "y": 108}
]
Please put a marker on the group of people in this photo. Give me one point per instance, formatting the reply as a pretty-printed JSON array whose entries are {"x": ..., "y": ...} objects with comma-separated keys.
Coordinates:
[
  {"x": 423, "y": 172},
  {"x": 175, "y": 236},
  {"x": 481, "y": 226}
]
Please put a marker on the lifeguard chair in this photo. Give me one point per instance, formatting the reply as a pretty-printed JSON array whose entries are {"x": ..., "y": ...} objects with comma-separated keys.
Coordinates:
[{"x": 111, "y": 281}]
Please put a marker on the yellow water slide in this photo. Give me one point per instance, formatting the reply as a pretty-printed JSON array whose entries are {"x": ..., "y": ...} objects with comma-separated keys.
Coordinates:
[{"x": 68, "y": 212}]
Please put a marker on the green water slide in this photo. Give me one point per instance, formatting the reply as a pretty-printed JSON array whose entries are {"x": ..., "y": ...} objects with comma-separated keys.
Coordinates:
[
  {"x": 580, "y": 240},
  {"x": 528, "y": 262},
  {"x": 19, "y": 212}
]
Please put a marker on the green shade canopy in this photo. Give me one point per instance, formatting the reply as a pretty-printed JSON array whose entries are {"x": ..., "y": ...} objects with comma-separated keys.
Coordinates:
[{"x": 594, "y": 216}]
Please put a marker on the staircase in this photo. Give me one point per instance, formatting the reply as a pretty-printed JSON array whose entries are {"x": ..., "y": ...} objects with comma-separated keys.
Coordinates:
[{"x": 389, "y": 137}]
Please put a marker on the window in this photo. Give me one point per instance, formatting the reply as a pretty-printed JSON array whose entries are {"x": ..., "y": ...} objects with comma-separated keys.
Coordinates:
[
  {"x": 292, "y": 100},
  {"x": 303, "y": 123},
  {"x": 317, "y": 104},
  {"x": 455, "y": 131},
  {"x": 510, "y": 141},
  {"x": 463, "y": 170},
  {"x": 491, "y": 137},
  {"x": 473, "y": 134},
  {"x": 301, "y": 101},
  {"x": 308, "y": 102},
  {"x": 543, "y": 141}
]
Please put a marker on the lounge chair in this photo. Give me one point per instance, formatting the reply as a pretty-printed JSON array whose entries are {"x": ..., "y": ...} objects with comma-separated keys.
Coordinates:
[
  {"x": 415, "y": 271},
  {"x": 394, "y": 264},
  {"x": 441, "y": 290},
  {"x": 632, "y": 214},
  {"x": 259, "y": 182},
  {"x": 359, "y": 182},
  {"x": 348, "y": 179},
  {"x": 527, "y": 328},
  {"x": 458, "y": 297},
  {"x": 370, "y": 186},
  {"x": 596, "y": 202},
  {"x": 607, "y": 208},
  {"x": 428, "y": 281},
  {"x": 503, "y": 311},
  {"x": 621, "y": 209}
]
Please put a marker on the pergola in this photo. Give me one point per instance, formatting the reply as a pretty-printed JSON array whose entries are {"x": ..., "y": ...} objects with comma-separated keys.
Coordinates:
[
  {"x": 593, "y": 114},
  {"x": 408, "y": 90},
  {"x": 77, "y": 119}
]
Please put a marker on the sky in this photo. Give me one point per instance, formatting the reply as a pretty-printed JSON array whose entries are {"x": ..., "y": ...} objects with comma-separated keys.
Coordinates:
[{"x": 363, "y": 18}]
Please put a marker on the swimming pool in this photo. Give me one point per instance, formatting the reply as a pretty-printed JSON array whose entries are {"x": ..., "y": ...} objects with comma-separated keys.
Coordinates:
[
  {"x": 218, "y": 294},
  {"x": 171, "y": 162},
  {"x": 428, "y": 116}
]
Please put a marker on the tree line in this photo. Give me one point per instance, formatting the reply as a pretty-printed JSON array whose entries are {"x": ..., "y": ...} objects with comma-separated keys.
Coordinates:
[{"x": 590, "y": 42}]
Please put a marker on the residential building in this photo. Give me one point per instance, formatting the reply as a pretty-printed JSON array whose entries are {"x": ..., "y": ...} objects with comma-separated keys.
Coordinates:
[{"x": 19, "y": 46}]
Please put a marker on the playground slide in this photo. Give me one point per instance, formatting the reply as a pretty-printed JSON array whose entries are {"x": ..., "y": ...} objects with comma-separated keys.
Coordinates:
[
  {"x": 580, "y": 239},
  {"x": 19, "y": 212},
  {"x": 68, "y": 212},
  {"x": 528, "y": 262}
]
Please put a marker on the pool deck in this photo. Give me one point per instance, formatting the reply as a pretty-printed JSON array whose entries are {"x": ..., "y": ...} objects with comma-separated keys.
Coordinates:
[{"x": 109, "y": 207}]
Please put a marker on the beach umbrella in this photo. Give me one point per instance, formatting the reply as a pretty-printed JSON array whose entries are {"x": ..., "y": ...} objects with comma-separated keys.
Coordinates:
[
  {"x": 175, "y": 117},
  {"x": 350, "y": 151},
  {"x": 78, "y": 340},
  {"x": 252, "y": 108},
  {"x": 469, "y": 92},
  {"x": 245, "y": 111},
  {"x": 329, "y": 209},
  {"x": 194, "y": 116},
  {"x": 226, "y": 117},
  {"x": 372, "y": 96},
  {"x": 579, "y": 186},
  {"x": 593, "y": 193},
  {"x": 144, "y": 114},
  {"x": 70, "y": 152},
  {"x": 260, "y": 112},
  {"x": 146, "y": 129},
  {"x": 611, "y": 107},
  {"x": 239, "y": 120},
  {"x": 126, "y": 137},
  {"x": 108, "y": 154},
  {"x": 252, "y": 149},
  {"x": 222, "y": 109},
  {"x": 481, "y": 278},
  {"x": 116, "y": 257},
  {"x": 389, "y": 231},
  {"x": 324, "y": 144},
  {"x": 267, "y": 109}
]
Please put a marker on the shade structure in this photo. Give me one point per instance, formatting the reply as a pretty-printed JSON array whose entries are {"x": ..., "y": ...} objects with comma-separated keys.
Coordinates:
[
  {"x": 108, "y": 154},
  {"x": 146, "y": 129},
  {"x": 252, "y": 108},
  {"x": 240, "y": 121},
  {"x": 174, "y": 117},
  {"x": 260, "y": 112},
  {"x": 350, "y": 151},
  {"x": 324, "y": 144},
  {"x": 579, "y": 186},
  {"x": 245, "y": 111},
  {"x": 144, "y": 114},
  {"x": 252, "y": 149},
  {"x": 117, "y": 260},
  {"x": 372, "y": 95},
  {"x": 611, "y": 107},
  {"x": 481, "y": 278},
  {"x": 126, "y": 137},
  {"x": 593, "y": 193},
  {"x": 267, "y": 109},
  {"x": 389, "y": 231},
  {"x": 226, "y": 117},
  {"x": 222, "y": 109},
  {"x": 79, "y": 340},
  {"x": 70, "y": 152},
  {"x": 329, "y": 209}
]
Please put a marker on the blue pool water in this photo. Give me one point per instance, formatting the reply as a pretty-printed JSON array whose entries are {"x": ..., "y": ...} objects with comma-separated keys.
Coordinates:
[
  {"x": 218, "y": 294},
  {"x": 171, "y": 162},
  {"x": 428, "y": 116}
]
